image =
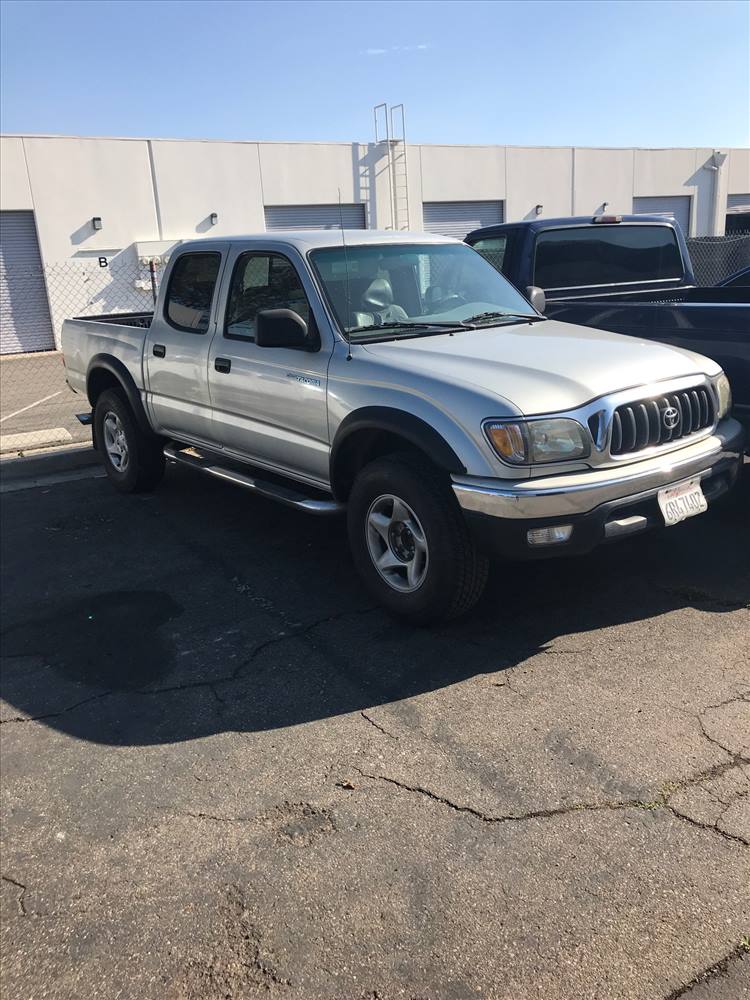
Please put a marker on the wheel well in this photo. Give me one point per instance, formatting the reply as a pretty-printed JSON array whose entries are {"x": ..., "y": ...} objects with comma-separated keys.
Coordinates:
[
  {"x": 99, "y": 380},
  {"x": 362, "y": 447}
]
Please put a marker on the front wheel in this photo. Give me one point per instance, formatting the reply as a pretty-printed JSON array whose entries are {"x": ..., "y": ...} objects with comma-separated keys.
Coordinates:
[
  {"x": 410, "y": 543},
  {"x": 133, "y": 459}
]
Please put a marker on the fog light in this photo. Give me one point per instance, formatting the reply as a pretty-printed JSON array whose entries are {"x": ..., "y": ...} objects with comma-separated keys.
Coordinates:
[{"x": 549, "y": 536}]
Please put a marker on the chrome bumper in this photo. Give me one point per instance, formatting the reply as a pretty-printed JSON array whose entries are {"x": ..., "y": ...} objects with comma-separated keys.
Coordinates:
[{"x": 581, "y": 492}]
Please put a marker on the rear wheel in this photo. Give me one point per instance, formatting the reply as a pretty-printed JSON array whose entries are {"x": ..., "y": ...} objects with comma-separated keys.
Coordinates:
[
  {"x": 410, "y": 543},
  {"x": 133, "y": 458}
]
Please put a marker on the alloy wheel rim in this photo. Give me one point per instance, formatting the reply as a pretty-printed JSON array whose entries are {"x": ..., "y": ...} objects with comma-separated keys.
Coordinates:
[
  {"x": 397, "y": 543},
  {"x": 115, "y": 442}
]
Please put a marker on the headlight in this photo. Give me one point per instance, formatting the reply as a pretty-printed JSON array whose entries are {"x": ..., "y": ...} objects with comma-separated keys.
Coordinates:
[
  {"x": 724, "y": 392},
  {"x": 533, "y": 442}
]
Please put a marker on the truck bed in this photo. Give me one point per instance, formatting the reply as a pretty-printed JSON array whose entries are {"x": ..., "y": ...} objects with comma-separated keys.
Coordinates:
[
  {"x": 119, "y": 335},
  {"x": 141, "y": 319}
]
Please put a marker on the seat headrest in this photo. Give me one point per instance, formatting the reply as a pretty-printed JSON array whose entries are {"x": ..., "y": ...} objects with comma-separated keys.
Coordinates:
[{"x": 378, "y": 295}]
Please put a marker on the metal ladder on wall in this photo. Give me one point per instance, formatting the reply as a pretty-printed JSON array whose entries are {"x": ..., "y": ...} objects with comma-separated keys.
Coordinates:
[{"x": 390, "y": 127}]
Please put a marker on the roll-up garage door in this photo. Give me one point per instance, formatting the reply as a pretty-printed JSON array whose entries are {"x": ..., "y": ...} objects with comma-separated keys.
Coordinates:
[
  {"x": 677, "y": 206},
  {"x": 457, "y": 218},
  {"x": 24, "y": 312},
  {"x": 738, "y": 213},
  {"x": 314, "y": 217}
]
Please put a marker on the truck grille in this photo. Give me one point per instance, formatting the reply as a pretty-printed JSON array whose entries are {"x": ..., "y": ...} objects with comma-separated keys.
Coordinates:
[{"x": 650, "y": 422}]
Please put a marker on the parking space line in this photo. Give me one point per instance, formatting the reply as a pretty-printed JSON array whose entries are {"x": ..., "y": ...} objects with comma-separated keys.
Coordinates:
[{"x": 29, "y": 407}]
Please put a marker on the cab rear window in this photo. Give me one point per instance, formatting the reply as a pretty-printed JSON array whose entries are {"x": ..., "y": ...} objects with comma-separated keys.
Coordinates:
[{"x": 606, "y": 255}]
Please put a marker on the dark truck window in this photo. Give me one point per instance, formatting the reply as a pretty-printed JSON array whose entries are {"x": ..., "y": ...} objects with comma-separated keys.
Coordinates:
[
  {"x": 605, "y": 255},
  {"x": 262, "y": 281},
  {"x": 190, "y": 291}
]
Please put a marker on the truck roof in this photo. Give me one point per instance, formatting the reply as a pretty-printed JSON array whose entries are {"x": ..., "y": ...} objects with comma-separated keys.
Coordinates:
[
  {"x": 310, "y": 239},
  {"x": 575, "y": 220}
]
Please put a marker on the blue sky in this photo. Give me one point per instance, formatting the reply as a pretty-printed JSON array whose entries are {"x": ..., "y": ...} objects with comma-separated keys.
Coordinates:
[{"x": 537, "y": 73}]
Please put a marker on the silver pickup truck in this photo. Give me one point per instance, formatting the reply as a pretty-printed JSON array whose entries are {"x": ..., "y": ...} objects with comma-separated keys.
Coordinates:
[{"x": 401, "y": 378}]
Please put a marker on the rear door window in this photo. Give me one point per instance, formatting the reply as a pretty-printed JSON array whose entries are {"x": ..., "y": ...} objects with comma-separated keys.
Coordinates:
[
  {"x": 606, "y": 255},
  {"x": 191, "y": 291}
]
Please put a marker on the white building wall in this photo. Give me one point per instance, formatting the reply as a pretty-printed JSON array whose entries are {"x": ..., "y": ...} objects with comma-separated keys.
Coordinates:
[
  {"x": 602, "y": 175},
  {"x": 739, "y": 171},
  {"x": 195, "y": 179},
  {"x": 665, "y": 172},
  {"x": 74, "y": 180},
  {"x": 416, "y": 192},
  {"x": 151, "y": 190},
  {"x": 539, "y": 176},
  {"x": 297, "y": 173},
  {"x": 15, "y": 190},
  {"x": 463, "y": 173}
]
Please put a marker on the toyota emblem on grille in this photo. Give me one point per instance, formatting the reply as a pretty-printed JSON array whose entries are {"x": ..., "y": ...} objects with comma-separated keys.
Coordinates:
[{"x": 671, "y": 417}]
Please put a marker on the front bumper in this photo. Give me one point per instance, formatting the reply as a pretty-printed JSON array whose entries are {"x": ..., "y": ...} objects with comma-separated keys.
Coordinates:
[{"x": 602, "y": 505}]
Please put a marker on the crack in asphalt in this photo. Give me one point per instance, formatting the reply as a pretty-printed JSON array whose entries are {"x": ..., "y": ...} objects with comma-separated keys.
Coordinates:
[
  {"x": 377, "y": 725},
  {"x": 509, "y": 817},
  {"x": 193, "y": 685},
  {"x": 696, "y": 595},
  {"x": 508, "y": 683},
  {"x": 211, "y": 817},
  {"x": 64, "y": 711},
  {"x": 662, "y": 802},
  {"x": 709, "y": 774},
  {"x": 735, "y": 755},
  {"x": 297, "y": 633},
  {"x": 711, "y": 827},
  {"x": 720, "y": 968},
  {"x": 20, "y": 899}
]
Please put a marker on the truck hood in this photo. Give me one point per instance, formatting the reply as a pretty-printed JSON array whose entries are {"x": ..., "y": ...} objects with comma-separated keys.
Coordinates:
[{"x": 544, "y": 367}]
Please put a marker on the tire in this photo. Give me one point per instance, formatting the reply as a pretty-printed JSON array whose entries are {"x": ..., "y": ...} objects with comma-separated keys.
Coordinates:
[
  {"x": 446, "y": 575},
  {"x": 140, "y": 465}
]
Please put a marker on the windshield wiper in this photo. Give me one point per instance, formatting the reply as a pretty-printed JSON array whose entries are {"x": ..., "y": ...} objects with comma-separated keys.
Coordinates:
[
  {"x": 525, "y": 317},
  {"x": 385, "y": 329},
  {"x": 399, "y": 325}
]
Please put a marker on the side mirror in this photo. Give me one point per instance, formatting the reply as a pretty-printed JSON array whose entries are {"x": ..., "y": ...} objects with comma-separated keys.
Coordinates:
[
  {"x": 281, "y": 328},
  {"x": 536, "y": 297}
]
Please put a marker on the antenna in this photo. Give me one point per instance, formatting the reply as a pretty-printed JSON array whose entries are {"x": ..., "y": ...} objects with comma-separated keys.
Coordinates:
[{"x": 348, "y": 294}]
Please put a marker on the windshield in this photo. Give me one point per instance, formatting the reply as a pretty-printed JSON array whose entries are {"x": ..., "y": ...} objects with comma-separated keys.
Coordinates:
[{"x": 387, "y": 290}]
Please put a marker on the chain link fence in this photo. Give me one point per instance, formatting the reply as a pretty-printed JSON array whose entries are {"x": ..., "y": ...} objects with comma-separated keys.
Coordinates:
[
  {"x": 37, "y": 408},
  {"x": 716, "y": 257}
]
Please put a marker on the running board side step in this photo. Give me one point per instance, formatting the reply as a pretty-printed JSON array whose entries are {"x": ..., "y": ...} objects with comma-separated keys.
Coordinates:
[{"x": 273, "y": 491}]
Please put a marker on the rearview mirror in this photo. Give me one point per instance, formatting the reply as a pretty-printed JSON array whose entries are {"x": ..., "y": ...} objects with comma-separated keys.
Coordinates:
[
  {"x": 281, "y": 328},
  {"x": 536, "y": 297}
]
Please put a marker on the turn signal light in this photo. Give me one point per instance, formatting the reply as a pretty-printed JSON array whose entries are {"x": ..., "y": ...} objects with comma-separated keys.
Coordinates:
[{"x": 508, "y": 442}]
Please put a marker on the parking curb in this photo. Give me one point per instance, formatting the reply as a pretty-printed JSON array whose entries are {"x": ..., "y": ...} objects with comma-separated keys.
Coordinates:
[{"x": 49, "y": 463}]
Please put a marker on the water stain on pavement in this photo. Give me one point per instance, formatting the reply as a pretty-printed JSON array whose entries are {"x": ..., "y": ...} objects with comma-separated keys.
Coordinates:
[{"x": 110, "y": 639}]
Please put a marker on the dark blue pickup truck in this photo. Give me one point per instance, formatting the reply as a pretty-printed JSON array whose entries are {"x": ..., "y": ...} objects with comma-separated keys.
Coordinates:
[{"x": 630, "y": 274}]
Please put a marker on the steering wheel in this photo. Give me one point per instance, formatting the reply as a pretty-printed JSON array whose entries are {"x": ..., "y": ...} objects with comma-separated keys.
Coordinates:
[{"x": 448, "y": 302}]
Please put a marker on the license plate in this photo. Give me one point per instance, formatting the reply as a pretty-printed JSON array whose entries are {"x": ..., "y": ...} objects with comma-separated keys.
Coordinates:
[{"x": 684, "y": 500}]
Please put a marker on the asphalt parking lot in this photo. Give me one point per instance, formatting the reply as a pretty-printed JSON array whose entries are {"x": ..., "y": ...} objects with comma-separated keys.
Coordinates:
[{"x": 226, "y": 775}]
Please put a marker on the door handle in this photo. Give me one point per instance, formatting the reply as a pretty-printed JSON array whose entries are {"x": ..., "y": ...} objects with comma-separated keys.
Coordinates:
[
  {"x": 223, "y": 365},
  {"x": 159, "y": 350}
]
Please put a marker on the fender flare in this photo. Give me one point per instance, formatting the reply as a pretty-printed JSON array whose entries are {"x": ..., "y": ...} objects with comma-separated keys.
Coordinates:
[
  {"x": 413, "y": 429},
  {"x": 115, "y": 367}
]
